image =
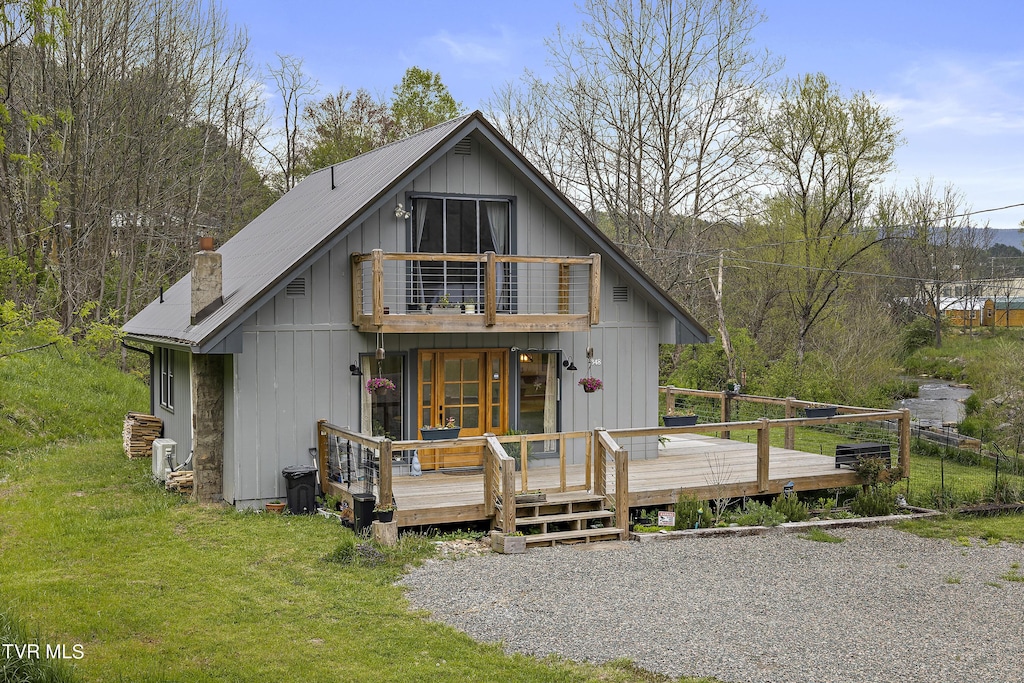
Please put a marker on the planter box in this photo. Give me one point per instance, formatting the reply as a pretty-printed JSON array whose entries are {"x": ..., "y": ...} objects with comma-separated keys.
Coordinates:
[
  {"x": 439, "y": 434},
  {"x": 507, "y": 545},
  {"x": 680, "y": 420},
  {"x": 826, "y": 411},
  {"x": 531, "y": 498}
]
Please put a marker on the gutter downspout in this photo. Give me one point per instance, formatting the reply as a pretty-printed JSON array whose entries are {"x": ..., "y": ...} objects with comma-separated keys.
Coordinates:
[{"x": 152, "y": 364}]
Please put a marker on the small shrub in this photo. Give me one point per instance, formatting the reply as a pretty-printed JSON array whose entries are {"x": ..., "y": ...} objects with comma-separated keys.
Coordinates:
[
  {"x": 1005, "y": 490},
  {"x": 791, "y": 507},
  {"x": 758, "y": 514},
  {"x": 972, "y": 404},
  {"x": 690, "y": 512},
  {"x": 877, "y": 501}
]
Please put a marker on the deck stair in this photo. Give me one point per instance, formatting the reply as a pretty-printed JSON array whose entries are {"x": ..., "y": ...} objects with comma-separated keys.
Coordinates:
[{"x": 566, "y": 518}]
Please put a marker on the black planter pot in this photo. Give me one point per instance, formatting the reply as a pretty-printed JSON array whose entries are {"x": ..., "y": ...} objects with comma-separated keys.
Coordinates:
[
  {"x": 680, "y": 420},
  {"x": 826, "y": 411},
  {"x": 439, "y": 434},
  {"x": 385, "y": 516}
]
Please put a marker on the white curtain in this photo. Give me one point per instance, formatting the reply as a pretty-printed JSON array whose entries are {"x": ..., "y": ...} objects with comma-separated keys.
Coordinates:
[
  {"x": 421, "y": 218},
  {"x": 497, "y": 218}
]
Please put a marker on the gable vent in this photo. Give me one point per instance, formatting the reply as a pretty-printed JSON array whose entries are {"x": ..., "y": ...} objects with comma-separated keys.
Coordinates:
[
  {"x": 620, "y": 294},
  {"x": 463, "y": 147},
  {"x": 296, "y": 287}
]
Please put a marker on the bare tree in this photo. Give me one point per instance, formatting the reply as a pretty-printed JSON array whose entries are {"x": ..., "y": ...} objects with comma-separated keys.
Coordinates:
[
  {"x": 295, "y": 89},
  {"x": 646, "y": 124},
  {"x": 933, "y": 244}
]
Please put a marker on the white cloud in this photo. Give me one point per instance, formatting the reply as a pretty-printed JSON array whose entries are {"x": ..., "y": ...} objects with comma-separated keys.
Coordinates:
[
  {"x": 958, "y": 95},
  {"x": 473, "y": 49}
]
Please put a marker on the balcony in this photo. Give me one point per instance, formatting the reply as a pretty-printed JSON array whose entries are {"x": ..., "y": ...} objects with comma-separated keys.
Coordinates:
[{"x": 420, "y": 292}]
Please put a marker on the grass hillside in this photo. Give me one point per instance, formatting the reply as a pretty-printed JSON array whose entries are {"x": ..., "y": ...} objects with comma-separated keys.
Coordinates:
[
  {"x": 60, "y": 393},
  {"x": 150, "y": 587}
]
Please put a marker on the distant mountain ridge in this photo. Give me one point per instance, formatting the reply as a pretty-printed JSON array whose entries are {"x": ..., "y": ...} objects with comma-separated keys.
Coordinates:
[{"x": 1011, "y": 237}]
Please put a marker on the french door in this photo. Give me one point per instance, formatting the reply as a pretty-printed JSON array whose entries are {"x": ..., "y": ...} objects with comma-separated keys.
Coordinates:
[{"x": 469, "y": 387}]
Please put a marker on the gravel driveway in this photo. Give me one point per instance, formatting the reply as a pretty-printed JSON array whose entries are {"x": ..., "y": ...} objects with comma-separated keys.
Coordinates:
[{"x": 883, "y": 606}]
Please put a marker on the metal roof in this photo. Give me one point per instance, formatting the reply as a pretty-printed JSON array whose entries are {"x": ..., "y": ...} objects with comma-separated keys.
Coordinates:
[{"x": 308, "y": 220}]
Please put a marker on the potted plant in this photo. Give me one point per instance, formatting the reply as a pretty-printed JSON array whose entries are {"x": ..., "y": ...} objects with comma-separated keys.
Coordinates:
[
  {"x": 444, "y": 304},
  {"x": 449, "y": 430},
  {"x": 591, "y": 384},
  {"x": 276, "y": 506},
  {"x": 820, "y": 411},
  {"x": 379, "y": 385},
  {"x": 384, "y": 513},
  {"x": 684, "y": 420},
  {"x": 469, "y": 305},
  {"x": 732, "y": 386}
]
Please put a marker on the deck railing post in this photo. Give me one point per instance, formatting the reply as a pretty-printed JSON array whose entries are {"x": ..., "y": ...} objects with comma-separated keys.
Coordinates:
[
  {"x": 763, "y": 446},
  {"x": 524, "y": 457},
  {"x": 378, "y": 286},
  {"x": 563, "y": 289},
  {"x": 622, "y": 492},
  {"x": 595, "y": 289},
  {"x": 490, "y": 290},
  {"x": 387, "y": 495},
  {"x": 588, "y": 446},
  {"x": 599, "y": 475},
  {"x": 490, "y": 461},
  {"x": 357, "y": 287},
  {"x": 322, "y": 450},
  {"x": 790, "y": 429},
  {"x": 726, "y": 410},
  {"x": 905, "y": 442}
]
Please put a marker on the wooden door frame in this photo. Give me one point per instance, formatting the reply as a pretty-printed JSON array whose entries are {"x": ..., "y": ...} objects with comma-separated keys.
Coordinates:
[{"x": 486, "y": 357}]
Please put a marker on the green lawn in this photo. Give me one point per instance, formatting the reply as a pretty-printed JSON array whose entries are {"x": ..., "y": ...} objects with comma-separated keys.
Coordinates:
[{"x": 156, "y": 588}]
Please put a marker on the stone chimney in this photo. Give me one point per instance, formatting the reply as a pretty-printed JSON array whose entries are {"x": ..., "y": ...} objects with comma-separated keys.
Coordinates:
[{"x": 207, "y": 281}]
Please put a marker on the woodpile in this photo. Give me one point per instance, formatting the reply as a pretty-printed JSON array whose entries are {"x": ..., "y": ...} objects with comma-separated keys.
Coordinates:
[
  {"x": 181, "y": 482},
  {"x": 139, "y": 432}
]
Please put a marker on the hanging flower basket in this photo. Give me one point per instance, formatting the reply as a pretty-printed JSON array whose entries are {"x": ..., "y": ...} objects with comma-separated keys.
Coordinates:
[
  {"x": 379, "y": 385},
  {"x": 591, "y": 384}
]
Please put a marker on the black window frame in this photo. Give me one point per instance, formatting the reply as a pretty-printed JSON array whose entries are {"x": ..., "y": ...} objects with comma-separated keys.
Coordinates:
[{"x": 166, "y": 390}]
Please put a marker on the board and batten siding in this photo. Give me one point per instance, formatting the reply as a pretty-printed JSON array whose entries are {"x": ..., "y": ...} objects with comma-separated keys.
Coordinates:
[
  {"x": 177, "y": 423},
  {"x": 296, "y": 350}
]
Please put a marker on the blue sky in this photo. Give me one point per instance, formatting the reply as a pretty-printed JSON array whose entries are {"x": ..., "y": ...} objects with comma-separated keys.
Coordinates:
[{"x": 952, "y": 72}]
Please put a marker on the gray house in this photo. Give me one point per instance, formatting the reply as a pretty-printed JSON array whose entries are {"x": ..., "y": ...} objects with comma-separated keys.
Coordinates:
[{"x": 443, "y": 263}]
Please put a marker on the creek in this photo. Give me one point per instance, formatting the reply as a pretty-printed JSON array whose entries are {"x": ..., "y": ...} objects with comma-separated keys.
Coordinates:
[{"x": 937, "y": 403}]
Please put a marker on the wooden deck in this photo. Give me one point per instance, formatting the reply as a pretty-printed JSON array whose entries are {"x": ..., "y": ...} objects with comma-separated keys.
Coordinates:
[{"x": 705, "y": 465}]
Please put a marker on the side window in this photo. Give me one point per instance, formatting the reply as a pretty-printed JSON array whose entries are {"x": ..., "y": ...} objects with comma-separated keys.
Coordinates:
[{"x": 166, "y": 378}]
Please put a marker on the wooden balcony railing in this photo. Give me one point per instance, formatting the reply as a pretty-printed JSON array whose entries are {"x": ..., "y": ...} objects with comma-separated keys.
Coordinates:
[{"x": 417, "y": 292}]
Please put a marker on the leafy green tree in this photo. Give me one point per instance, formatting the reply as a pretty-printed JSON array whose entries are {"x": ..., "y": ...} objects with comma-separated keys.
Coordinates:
[
  {"x": 346, "y": 125},
  {"x": 421, "y": 101},
  {"x": 826, "y": 153}
]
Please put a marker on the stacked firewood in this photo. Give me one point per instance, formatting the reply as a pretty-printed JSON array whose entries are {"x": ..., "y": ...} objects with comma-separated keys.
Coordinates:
[
  {"x": 139, "y": 432},
  {"x": 181, "y": 482}
]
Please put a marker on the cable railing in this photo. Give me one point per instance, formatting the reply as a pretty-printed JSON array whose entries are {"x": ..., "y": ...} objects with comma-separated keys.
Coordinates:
[{"x": 483, "y": 292}]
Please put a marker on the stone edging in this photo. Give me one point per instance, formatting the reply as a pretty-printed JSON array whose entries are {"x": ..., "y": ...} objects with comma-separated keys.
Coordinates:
[{"x": 787, "y": 527}]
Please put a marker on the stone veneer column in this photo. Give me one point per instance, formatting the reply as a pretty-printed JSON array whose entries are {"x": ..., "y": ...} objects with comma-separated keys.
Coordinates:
[{"x": 208, "y": 427}]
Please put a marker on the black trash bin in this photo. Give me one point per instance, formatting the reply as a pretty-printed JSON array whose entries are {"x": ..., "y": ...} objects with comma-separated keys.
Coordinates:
[
  {"x": 362, "y": 511},
  {"x": 301, "y": 483}
]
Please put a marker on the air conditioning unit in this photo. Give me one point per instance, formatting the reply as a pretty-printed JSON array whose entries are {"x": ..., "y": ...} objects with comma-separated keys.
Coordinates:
[{"x": 163, "y": 457}]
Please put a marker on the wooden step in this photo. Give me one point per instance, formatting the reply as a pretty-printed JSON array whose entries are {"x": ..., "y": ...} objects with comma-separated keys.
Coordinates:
[
  {"x": 565, "y": 517},
  {"x": 563, "y": 503},
  {"x": 584, "y": 535}
]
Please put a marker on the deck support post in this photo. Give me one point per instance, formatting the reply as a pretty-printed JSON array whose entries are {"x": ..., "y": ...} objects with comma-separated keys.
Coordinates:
[
  {"x": 790, "y": 429},
  {"x": 322, "y": 451},
  {"x": 904, "y": 456},
  {"x": 763, "y": 446},
  {"x": 387, "y": 496},
  {"x": 508, "y": 497},
  {"x": 595, "y": 289}
]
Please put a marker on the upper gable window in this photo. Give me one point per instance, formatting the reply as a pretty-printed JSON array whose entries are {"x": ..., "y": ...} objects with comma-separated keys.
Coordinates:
[
  {"x": 457, "y": 225},
  {"x": 460, "y": 225}
]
